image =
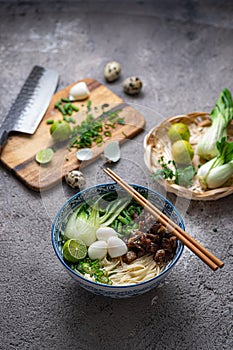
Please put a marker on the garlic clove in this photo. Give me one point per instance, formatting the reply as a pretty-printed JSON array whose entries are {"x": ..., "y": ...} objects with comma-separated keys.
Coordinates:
[
  {"x": 116, "y": 247},
  {"x": 97, "y": 250},
  {"x": 84, "y": 154},
  {"x": 104, "y": 233},
  {"x": 112, "y": 152},
  {"x": 79, "y": 91}
]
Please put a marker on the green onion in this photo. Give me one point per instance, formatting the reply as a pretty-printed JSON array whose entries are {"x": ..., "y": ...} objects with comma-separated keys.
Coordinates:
[
  {"x": 123, "y": 220},
  {"x": 50, "y": 121},
  {"x": 64, "y": 99},
  {"x": 108, "y": 133},
  {"x": 76, "y": 109},
  {"x": 61, "y": 109},
  {"x": 89, "y": 105}
]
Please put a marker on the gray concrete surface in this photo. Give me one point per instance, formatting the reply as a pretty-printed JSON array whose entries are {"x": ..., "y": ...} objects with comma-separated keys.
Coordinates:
[{"x": 182, "y": 50}]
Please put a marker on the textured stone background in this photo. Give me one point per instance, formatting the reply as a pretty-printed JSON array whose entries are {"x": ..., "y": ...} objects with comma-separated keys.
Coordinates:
[{"x": 182, "y": 50}]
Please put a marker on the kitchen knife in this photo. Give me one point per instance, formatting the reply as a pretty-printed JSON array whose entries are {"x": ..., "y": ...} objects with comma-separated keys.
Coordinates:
[{"x": 31, "y": 103}]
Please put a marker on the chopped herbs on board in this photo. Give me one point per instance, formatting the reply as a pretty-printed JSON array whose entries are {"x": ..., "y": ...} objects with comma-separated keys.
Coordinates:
[{"x": 91, "y": 130}]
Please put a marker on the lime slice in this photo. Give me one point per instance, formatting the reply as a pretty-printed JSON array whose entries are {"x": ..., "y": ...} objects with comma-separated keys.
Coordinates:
[
  {"x": 44, "y": 156},
  {"x": 74, "y": 250}
]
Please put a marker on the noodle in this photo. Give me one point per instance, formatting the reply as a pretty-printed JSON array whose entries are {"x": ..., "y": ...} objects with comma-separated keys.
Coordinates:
[{"x": 140, "y": 270}]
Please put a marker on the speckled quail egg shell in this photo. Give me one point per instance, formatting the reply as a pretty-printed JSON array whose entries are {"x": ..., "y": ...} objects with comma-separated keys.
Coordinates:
[
  {"x": 112, "y": 71},
  {"x": 132, "y": 85},
  {"x": 75, "y": 179}
]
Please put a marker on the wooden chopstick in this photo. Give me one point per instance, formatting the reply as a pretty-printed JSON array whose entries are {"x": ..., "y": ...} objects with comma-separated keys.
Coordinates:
[{"x": 211, "y": 260}]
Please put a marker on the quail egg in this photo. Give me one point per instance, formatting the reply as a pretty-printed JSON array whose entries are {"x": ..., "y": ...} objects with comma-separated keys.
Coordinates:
[
  {"x": 112, "y": 71},
  {"x": 132, "y": 85},
  {"x": 116, "y": 247},
  {"x": 75, "y": 179}
]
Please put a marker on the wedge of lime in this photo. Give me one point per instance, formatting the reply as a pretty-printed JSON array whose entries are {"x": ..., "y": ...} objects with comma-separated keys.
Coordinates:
[
  {"x": 44, "y": 156},
  {"x": 74, "y": 250}
]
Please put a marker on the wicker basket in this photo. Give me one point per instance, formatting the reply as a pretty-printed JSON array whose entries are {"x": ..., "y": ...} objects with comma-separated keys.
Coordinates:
[{"x": 157, "y": 144}]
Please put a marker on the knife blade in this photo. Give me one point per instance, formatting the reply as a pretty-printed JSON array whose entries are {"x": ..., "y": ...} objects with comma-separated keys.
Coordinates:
[{"x": 31, "y": 103}]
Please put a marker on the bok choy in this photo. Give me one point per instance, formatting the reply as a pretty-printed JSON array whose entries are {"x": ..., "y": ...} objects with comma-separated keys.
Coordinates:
[
  {"x": 221, "y": 115},
  {"x": 218, "y": 170},
  {"x": 85, "y": 220}
]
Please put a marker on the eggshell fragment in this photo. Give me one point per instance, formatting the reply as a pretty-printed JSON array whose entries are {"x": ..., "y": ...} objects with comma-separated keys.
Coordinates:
[
  {"x": 97, "y": 250},
  {"x": 84, "y": 154},
  {"x": 79, "y": 91},
  {"x": 104, "y": 233},
  {"x": 112, "y": 152},
  {"x": 116, "y": 247}
]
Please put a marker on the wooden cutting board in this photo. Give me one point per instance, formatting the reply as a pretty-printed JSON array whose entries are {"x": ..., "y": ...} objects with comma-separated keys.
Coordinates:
[{"x": 19, "y": 153}]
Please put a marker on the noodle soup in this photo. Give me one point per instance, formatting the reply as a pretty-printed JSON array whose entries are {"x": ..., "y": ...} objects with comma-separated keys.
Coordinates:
[{"x": 151, "y": 251}]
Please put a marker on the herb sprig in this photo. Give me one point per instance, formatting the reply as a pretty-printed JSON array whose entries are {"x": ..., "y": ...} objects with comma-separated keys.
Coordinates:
[{"x": 180, "y": 176}]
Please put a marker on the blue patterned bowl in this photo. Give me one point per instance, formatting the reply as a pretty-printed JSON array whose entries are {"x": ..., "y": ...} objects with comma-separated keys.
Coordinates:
[{"x": 94, "y": 192}]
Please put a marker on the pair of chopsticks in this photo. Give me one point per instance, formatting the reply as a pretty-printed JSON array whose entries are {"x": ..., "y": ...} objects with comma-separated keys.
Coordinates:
[{"x": 206, "y": 256}]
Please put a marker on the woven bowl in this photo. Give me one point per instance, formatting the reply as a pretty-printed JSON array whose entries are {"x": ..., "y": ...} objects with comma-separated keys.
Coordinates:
[{"x": 157, "y": 144}]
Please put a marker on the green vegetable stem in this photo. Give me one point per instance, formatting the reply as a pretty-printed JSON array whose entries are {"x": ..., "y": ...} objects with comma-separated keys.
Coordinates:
[
  {"x": 84, "y": 222},
  {"x": 218, "y": 170},
  {"x": 221, "y": 115}
]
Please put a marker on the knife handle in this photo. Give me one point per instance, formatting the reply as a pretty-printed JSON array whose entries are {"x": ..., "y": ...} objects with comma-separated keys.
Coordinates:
[{"x": 3, "y": 138}]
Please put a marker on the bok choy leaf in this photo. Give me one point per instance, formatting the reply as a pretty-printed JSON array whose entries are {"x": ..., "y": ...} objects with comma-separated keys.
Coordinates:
[
  {"x": 218, "y": 170},
  {"x": 85, "y": 220},
  {"x": 221, "y": 115}
]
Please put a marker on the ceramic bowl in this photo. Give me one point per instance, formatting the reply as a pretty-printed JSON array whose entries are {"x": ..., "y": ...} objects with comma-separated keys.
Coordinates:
[{"x": 93, "y": 193}]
